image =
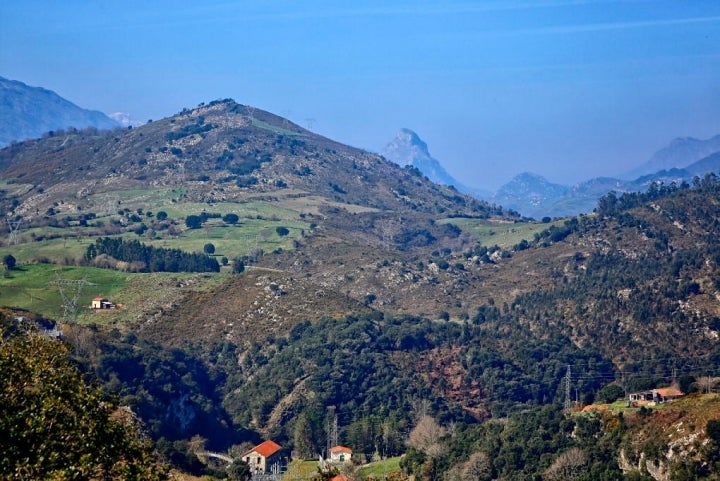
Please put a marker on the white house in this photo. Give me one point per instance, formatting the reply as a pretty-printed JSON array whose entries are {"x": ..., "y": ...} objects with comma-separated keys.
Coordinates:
[
  {"x": 340, "y": 454},
  {"x": 101, "y": 303}
]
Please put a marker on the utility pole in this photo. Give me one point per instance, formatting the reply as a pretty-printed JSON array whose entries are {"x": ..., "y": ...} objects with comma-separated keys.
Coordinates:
[
  {"x": 250, "y": 113},
  {"x": 568, "y": 400},
  {"x": 111, "y": 202},
  {"x": 331, "y": 430},
  {"x": 70, "y": 290},
  {"x": 181, "y": 172},
  {"x": 13, "y": 227}
]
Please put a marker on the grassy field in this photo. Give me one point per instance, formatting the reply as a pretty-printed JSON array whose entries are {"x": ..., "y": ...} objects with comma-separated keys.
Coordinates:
[
  {"x": 229, "y": 240},
  {"x": 301, "y": 470},
  {"x": 29, "y": 286},
  {"x": 504, "y": 234},
  {"x": 379, "y": 469}
]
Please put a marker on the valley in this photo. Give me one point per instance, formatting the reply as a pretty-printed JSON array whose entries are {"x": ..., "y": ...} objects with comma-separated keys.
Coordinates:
[{"x": 268, "y": 281}]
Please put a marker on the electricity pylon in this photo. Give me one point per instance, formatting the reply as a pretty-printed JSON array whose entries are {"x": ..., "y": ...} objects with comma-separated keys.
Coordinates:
[{"x": 70, "y": 290}]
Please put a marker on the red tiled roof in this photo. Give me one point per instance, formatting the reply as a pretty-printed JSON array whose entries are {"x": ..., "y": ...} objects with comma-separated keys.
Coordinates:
[
  {"x": 340, "y": 477},
  {"x": 338, "y": 449},
  {"x": 266, "y": 448},
  {"x": 669, "y": 391}
]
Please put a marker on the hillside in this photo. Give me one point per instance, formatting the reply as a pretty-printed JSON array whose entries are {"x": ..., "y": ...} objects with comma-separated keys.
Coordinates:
[
  {"x": 347, "y": 281},
  {"x": 29, "y": 112}
]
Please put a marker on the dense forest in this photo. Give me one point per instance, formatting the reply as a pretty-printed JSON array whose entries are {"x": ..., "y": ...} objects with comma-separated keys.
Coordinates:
[{"x": 146, "y": 258}]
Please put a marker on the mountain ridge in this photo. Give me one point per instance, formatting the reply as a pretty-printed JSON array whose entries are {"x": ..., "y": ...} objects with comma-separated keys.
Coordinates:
[{"x": 28, "y": 112}]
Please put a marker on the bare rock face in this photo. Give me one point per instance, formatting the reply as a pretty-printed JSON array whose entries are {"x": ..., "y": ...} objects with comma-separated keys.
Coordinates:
[{"x": 407, "y": 148}]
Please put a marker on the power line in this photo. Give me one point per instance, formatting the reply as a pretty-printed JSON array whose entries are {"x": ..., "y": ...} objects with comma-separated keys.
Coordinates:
[
  {"x": 13, "y": 226},
  {"x": 70, "y": 290}
]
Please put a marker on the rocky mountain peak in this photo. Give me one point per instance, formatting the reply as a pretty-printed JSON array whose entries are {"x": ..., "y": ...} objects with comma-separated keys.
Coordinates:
[{"x": 406, "y": 148}]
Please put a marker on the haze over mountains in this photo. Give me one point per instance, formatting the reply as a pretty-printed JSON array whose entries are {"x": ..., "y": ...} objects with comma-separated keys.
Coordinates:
[
  {"x": 28, "y": 112},
  {"x": 534, "y": 196},
  {"x": 407, "y": 148}
]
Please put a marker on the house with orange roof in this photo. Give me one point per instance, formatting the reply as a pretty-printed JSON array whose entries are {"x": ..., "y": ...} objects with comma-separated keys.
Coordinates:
[
  {"x": 264, "y": 458},
  {"x": 340, "y": 454},
  {"x": 659, "y": 395}
]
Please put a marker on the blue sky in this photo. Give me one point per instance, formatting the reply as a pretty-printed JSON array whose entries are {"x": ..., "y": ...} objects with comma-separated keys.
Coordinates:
[{"x": 567, "y": 89}]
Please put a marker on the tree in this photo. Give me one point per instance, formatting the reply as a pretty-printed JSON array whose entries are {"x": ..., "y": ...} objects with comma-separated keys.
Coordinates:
[
  {"x": 209, "y": 248},
  {"x": 54, "y": 426},
  {"x": 611, "y": 393},
  {"x": 282, "y": 231},
  {"x": 569, "y": 466},
  {"x": 9, "y": 262},
  {"x": 477, "y": 467},
  {"x": 193, "y": 221},
  {"x": 302, "y": 437},
  {"x": 426, "y": 436},
  {"x": 231, "y": 218},
  {"x": 239, "y": 470},
  {"x": 162, "y": 215},
  {"x": 238, "y": 265}
]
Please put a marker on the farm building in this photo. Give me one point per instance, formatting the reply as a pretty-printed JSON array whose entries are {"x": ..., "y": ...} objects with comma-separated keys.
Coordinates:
[
  {"x": 340, "y": 454},
  {"x": 264, "y": 458},
  {"x": 659, "y": 395},
  {"x": 101, "y": 303}
]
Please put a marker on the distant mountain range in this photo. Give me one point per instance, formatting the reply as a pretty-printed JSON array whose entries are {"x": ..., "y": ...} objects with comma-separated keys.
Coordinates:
[
  {"x": 534, "y": 196},
  {"x": 680, "y": 153},
  {"x": 28, "y": 112}
]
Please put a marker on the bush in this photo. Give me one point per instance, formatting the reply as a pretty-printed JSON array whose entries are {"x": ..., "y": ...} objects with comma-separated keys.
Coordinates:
[
  {"x": 193, "y": 221},
  {"x": 9, "y": 262},
  {"x": 231, "y": 218},
  {"x": 611, "y": 393}
]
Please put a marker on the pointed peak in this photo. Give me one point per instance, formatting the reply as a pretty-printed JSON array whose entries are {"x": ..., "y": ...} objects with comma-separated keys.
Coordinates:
[
  {"x": 410, "y": 137},
  {"x": 406, "y": 148}
]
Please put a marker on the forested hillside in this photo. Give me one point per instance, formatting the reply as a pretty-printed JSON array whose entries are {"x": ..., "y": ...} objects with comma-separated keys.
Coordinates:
[{"x": 352, "y": 287}]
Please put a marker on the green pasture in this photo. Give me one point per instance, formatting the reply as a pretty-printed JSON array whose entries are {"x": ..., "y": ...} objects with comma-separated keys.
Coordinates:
[
  {"x": 299, "y": 470},
  {"x": 229, "y": 240},
  {"x": 274, "y": 129},
  {"x": 29, "y": 286},
  {"x": 243, "y": 209},
  {"x": 232, "y": 240},
  {"x": 503, "y": 234},
  {"x": 71, "y": 247},
  {"x": 379, "y": 469}
]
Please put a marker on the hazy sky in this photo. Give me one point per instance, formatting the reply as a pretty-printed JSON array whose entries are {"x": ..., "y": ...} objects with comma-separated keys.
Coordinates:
[{"x": 567, "y": 89}]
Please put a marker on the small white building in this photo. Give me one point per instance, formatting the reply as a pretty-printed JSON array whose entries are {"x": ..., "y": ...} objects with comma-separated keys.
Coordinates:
[
  {"x": 101, "y": 303},
  {"x": 340, "y": 454}
]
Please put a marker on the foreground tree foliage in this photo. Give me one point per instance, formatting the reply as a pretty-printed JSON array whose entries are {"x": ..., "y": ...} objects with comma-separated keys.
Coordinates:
[{"x": 53, "y": 426}]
